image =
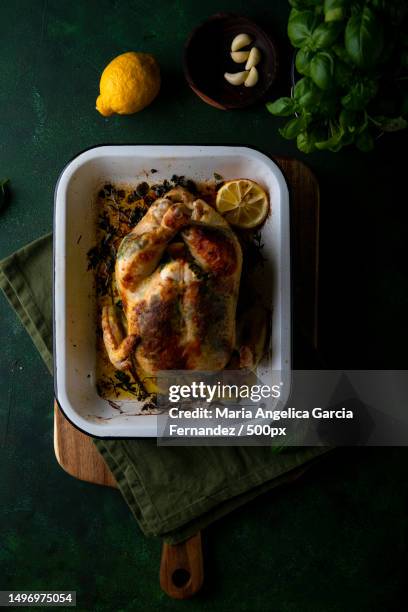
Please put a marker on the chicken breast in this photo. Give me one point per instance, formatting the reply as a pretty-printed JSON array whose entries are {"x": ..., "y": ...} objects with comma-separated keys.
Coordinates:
[{"x": 178, "y": 274}]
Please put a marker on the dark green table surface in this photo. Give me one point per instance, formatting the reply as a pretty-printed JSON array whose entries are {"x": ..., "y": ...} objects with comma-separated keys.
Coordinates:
[{"x": 335, "y": 541}]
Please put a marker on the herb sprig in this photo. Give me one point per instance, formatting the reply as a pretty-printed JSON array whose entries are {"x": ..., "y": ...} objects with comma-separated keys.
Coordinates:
[
  {"x": 121, "y": 381},
  {"x": 114, "y": 226},
  {"x": 352, "y": 56}
]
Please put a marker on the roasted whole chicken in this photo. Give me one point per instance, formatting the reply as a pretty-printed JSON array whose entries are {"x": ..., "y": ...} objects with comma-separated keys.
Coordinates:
[{"x": 177, "y": 273}]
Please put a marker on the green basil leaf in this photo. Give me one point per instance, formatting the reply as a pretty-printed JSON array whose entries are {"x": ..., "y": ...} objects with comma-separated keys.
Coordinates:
[
  {"x": 300, "y": 26},
  {"x": 343, "y": 74},
  {"x": 302, "y": 61},
  {"x": 325, "y": 35},
  {"x": 364, "y": 38},
  {"x": 365, "y": 141},
  {"x": 293, "y": 127},
  {"x": 360, "y": 94},
  {"x": 348, "y": 101},
  {"x": 306, "y": 94},
  {"x": 334, "y": 142},
  {"x": 321, "y": 69},
  {"x": 306, "y": 142},
  {"x": 353, "y": 123},
  {"x": 348, "y": 120},
  {"x": 283, "y": 107},
  {"x": 301, "y": 88},
  {"x": 390, "y": 124},
  {"x": 335, "y": 10},
  {"x": 342, "y": 54},
  {"x": 328, "y": 105},
  {"x": 3, "y": 191}
]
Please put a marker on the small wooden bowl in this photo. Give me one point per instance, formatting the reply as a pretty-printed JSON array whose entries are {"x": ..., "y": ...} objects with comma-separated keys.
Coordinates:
[{"x": 207, "y": 57}]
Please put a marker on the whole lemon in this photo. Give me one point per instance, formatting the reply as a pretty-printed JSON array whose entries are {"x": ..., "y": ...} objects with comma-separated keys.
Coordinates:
[{"x": 129, "y": 83}]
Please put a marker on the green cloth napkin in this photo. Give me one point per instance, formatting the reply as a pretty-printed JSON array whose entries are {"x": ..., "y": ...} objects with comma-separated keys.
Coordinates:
[{"x": 172, "y": 491}]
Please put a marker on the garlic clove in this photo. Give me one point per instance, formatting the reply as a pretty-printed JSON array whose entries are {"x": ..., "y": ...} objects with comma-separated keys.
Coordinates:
[
  {"x": 252, "y": 77},
  {"x": 236, "y": 78},
  {"x": 242, "y": 40},
  {"x": 239, "y": 57},
  {"x": 253, "y": 59}
]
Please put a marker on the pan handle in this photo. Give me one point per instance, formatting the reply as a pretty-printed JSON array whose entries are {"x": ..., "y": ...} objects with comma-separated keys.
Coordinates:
[{"x": 181, "y": 568}]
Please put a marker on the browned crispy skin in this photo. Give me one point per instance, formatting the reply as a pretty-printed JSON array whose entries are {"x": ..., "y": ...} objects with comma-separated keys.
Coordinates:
[
  {"x": 181, "y": 314},
  {"x": 213, "y": 249}
]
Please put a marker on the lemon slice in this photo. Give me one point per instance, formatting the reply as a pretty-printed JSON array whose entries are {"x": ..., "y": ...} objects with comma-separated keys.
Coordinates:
[{"x": 243, "y": 203}]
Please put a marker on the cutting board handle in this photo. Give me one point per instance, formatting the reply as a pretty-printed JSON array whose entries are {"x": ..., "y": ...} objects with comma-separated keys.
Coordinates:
[{"x": 181, "y": 568}]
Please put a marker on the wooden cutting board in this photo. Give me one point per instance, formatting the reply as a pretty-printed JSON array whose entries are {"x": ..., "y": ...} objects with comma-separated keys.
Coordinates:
[{"x": 75, "y": 451}]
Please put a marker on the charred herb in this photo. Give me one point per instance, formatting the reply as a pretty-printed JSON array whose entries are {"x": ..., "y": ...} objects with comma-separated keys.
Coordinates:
[
  {"x": 101, "y": 258},
  {"x": 142, "y": 189},
  {"x": 199, "y": 272},
  {"x": 219, "y": 180},
  {"x": 101, "y": 252},
  {"x": 107, "y": 190},
  {"x": 181, "y": 181},
  {"x": 105, "y": 224},
  {"x": 132, "y": 197},
  {"x": 149, "y": 406},
  {"x": 121, "y": 382},
  {"x": 253, "y": 247},
  {"x": 161, "y": 188},
  {"x": 125, "y": 382},
  {"x": 94, "y": 258},
  {"x": 135, "y": 216}
]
